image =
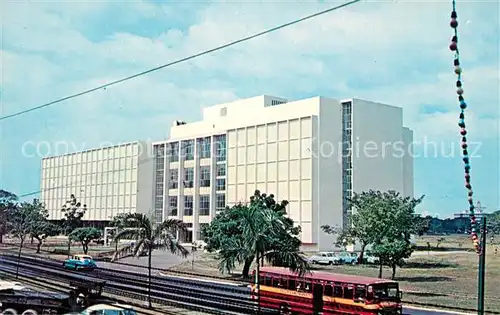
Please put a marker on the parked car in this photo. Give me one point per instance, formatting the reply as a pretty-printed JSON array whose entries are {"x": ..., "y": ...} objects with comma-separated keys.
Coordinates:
[
  {"x": 107, "y": 309},
  {"x": 346, "y": 258},
  {"x": 323, "y": 258},
  {"x": 80, "y": 262}
]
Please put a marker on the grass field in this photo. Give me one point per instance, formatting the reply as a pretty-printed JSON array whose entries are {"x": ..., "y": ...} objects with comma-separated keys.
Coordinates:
[{"x": 438, "y": 278}]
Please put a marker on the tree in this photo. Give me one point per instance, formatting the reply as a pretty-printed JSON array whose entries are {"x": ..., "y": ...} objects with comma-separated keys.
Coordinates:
[
  {"x": 41, "y": 228},
  {"x": 8, "y": 201},
  {"x": 149, "y": 237},
  {"x": 19, "y": 223},
  {"x": 73, "y": 212},
  {"x": 493, "y": 223},
  {"x": 85, "y": 235},
  {"x": 393, "y": 243},
  {"x": 367, "y": 221},
  {"x": 392, "y": 252},
  {"x": 119, "y": 222},
  {"x": 254, "y": 232},
  {"x": 385, "y": 220}
]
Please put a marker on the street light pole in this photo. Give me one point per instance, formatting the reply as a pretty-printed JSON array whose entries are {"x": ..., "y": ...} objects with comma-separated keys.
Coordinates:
[{"x": 482, "y": 269}]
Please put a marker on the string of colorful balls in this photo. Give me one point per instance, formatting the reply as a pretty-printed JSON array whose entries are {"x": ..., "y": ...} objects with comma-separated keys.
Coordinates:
[{"x": 463, "y": 130}]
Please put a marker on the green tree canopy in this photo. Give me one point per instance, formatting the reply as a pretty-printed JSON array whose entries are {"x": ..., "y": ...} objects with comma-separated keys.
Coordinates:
[
  {"x": 259, "y": 230},
  {"x": 41, "y": 228},
  {"x": 8, "y": 201},
  {"x": 85, "y": 235},
  {"x": 73, "y": 212},
  {"x": 385, "y": 220}
]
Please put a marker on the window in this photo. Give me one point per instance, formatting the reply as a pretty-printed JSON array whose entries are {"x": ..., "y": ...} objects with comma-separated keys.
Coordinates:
[
  {"x": 188, "y": 149},
  {"x": 360, "y": 293},
  {"x": 172, "y": 206},
  {"x": 223, "y": 111},
  {"x": 221, "y": 184},
  {"x": 337, "y": 291},
  {"x": 188, "y": 205},
  {"x": 204, "y": 147},
  {"x": 221, "y": 170},
  {"x": 205, "y": 176},
  {"x": 328, "y": 290},
  {"x": 349, "y": 291},
  {"x": 204, "y": 204},
  {"x": 220, "y": 148},
  {"x": 189, "y": 177},
  {"x": 173, "y": 151},
  {"x": 220, "y": 202},
  {"x": 173, "y": 181}
]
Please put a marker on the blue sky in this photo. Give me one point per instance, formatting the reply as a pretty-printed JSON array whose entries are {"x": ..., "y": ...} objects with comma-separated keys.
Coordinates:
[{"x": 388, "y": 51}]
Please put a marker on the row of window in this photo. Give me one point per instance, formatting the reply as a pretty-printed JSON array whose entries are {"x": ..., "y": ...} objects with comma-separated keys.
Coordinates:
[
  {"x": 89, "y": 168},
  {"x": 204, "y": 204},
  {"x": 188, "y": 178},
  {"x": 346, "y": 162},
  {"x": 95, "y": 155},
  {"x": 338, "y": 290},
  {"x": 186, "y": 149}
]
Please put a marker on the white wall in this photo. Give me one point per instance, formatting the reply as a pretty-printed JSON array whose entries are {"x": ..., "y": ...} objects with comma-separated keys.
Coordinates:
[
  {"x": 408, "y": 185},
  {"x": 329, "y": 170},
  {"x": 105, "y": 179},
  {"x": 274, "y": 158},
  {"x": 377, "y": 131}
]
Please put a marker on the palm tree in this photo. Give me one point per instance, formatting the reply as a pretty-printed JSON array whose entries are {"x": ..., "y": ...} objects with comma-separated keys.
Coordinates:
[
  {"x": 148, "y": 237},
  {"x": 262, "y": 226}
]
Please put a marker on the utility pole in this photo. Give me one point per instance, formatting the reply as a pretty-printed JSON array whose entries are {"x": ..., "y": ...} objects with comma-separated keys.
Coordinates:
[{"x": 482, "y": 269}]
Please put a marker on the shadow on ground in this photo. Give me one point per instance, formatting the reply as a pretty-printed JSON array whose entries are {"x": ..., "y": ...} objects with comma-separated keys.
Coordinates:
[
  {"x": 429, "y": 265},
  {"x": 424, "y": 279}
]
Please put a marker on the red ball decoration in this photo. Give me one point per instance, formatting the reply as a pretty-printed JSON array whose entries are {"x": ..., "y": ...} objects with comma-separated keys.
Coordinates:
[
  {"x": 453, "y": 46},
  {"x": 463, "y": 132},
  {"x": 454, "y": 23}
]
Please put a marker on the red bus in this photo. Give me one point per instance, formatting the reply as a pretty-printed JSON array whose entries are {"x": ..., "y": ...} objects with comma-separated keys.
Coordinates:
[{"x": 325, "y": 293}]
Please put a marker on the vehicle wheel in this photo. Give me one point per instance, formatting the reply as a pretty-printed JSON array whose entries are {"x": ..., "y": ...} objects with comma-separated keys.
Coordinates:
[
  {"x": 330, "y": 263},
  {"x": 353, "y": 262}
]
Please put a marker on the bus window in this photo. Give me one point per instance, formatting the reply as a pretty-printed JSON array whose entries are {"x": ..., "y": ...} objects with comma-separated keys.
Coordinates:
[
  {"x": 337, "y": 292},
  {"x": 360, "y": 293},
  {"x": 276, "y": 282},
  {"x": 268, "y": 281},
  {"x": 262, "y": 279},
  {"x": 307, "y": 286},
  {"x": 349, "y": 292},
  {"x": 328, "y": 290},
  {"x": 292, "y": 284}
]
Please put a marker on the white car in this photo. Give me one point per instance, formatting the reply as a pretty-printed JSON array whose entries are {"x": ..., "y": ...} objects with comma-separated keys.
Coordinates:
[
  {"x": 323, "y": 258},
  {"x": 109, "y": 309}
]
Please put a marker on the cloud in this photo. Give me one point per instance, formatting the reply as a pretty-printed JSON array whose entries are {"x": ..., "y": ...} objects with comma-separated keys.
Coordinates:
[{"x": 394, "y": 52}]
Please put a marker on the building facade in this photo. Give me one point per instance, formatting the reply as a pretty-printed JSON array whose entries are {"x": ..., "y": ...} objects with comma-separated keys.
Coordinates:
[
  {"x": 108, "y": 181},
  {"x": 314, "y": 153}
]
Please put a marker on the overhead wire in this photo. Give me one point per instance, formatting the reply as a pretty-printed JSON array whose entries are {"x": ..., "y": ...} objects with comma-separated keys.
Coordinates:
[{"x": 232, "y": 43}]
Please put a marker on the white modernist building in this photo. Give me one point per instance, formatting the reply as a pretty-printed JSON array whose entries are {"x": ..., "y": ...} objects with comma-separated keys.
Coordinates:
[
  {"x": 110, "y": 180},
  {"x": 314, "y": 153}
]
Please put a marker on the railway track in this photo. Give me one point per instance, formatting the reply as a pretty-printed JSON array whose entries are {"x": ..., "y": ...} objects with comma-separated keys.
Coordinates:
[{"x": 190, "y": 294}]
